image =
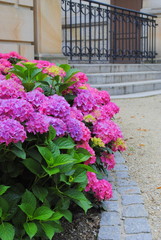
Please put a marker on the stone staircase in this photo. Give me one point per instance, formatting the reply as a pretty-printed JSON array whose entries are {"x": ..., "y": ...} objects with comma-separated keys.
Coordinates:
[{"x": 124, "y": 80}]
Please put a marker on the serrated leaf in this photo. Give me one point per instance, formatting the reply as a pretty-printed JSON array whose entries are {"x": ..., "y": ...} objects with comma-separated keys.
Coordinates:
[
  {"x": 29, "y": 198},
  {"x": 54, "y": 149},
  {"x": 87, "y": 167},
  {"x": 33, "y": 166},
  {"x": 64, "y": 86},
  {"x": 64, "y": 143},
  {"x": 63, "y": 159},
  {"x": 66, "y": 67},
  {"x": 56, "y": 216},
  {"x": 75, "y": 194},
  {"x": 27, "y": 209},
  {"x": 40, "y": 192},
  {"x": 81, "y": 177},
  {"x": 7, "y": 231},
  {"x": 70, "y": 74},
  {"x": 35, "y": 72},
  {"x": 67, "y": 214},
  {"x": 42, "y": 213},
  {"x": 30, "y": 228},
  {"x": 85, "y": 205},
  {"x": 19, "y": 152},
  {"x": 47, "y": 155},
  {"x": 48, "y": 229},
  {"x": 51, "y": 171},
  {"x": 4, "y": 205},
  {"x": 52, "y": 133},
  {"x": 3, "y": 189}
]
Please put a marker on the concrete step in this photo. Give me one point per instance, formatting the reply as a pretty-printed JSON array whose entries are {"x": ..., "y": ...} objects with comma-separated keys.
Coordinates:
[
  {"x": 113, "y": 68},
  {"x": 120, "y": 77},
  {"x": 129, "y": 87},
  {"x": 137, "y": 95}
]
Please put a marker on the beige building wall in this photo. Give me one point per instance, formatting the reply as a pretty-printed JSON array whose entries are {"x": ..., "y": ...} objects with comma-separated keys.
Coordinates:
[{"x": 17, "y": 27}]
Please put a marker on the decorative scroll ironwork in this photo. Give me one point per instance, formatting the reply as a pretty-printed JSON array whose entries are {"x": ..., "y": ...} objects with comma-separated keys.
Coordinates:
[{"x": 94, "y": 31}]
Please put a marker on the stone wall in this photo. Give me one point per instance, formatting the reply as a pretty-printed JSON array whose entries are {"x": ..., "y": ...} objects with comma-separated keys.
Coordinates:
[{"x": 17, "y": 27}]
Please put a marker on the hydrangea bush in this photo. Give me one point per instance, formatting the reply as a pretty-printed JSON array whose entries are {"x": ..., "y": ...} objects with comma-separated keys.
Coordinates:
[{"x": 56, "y": 137}]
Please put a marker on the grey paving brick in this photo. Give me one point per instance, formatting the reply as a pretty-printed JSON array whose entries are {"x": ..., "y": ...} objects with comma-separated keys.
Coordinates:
[
  {"x": 111, "y": 206},
  {"x": 119, "y": 158},
  {"x": 143, "y": 236},
  {"x": 129, "y": 190},
  {"x": 132, "y": 199},
  {"x": 109, "y": 233},
  {"x": 136, "y": 210},
  {"x": 136, "y": 225},
  {"x": 125, "y": 182},
  {"x": 120, "y": 167},
  {"x": 110, "y": 219},
  {"x": 122, "y": 175},
  {"x": 115, "y": 196}
]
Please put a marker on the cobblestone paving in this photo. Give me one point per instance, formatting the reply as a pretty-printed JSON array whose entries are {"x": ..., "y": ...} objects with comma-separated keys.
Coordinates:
[{"x": 125, "y": 217}]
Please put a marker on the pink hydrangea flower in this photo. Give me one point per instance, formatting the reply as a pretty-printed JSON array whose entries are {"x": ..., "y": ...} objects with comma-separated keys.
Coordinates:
[
  {"x": 55, "y": 106},
  {"x": 107, "y": 130},
  {"x": 36, "y": 98},
  {"x": 74, "y": 129},
  {"x": 108, "y": 111},
  {"x": 18, "y": 109},
  {"x": 102, "y": 189},
  {"x": 58, "y": 124},
  {"x": 85, "y": 102},
  {"x": 11, "y": 131},
  {"x": 75, "y": 113},
  {"x": 11, "y": 89},
  {"x": 119, "y": 145},
  {"x": 86, "y": 146},
  {"x": 108, "y": 160},
  {"x": 37, "y": 123}
]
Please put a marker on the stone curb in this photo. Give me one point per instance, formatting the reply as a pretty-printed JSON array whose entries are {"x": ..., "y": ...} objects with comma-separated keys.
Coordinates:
[{"x": 125, "y": 217}]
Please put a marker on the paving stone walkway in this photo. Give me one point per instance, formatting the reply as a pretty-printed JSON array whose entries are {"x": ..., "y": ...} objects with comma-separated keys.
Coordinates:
[{"x": 125, "y": 217}]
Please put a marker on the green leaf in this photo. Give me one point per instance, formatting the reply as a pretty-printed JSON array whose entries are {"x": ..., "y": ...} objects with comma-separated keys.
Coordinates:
[
  {"x": 67, "y": 214},
  {"x": 75, "y": 194},
  {"x": 3, "y": 189},
  {"x": 30, "y": 228},
  {"x": 33, "y": 166},
  {"x": 64, "y": 143},
  {"x": 48, "y": 229},
  {"x": 4, "y": 205},
  {"x": 87, "y": 167},
  {"x": 7, "y": 231},
  {"x": 27, "y": 209},
  {"x": 35, "y": 72},
  {"x": 47, "y": 155},
  {"x": 0, "y": 212},
  {"x": 64, "y": 86},
  {"x": 29, "y": 198},
  {"x": 51, "y": 171},
  {"x": 52, "y": 133},
  {"x": 56, "y": 216},
  {"x": 66, "y": 67},
  {"x": 40, "y": 192},
  {"x": 19, "y": 152},
  {"x": 63, "y": 159},
  {"x": 43, "y": 213},
  {"x": 80, "y": 177},
  {"x": 85, "y": 205},
  {"x": 29, "y": 86},
  {"x": 54, "y": 149},
  {"x": 70, "y": 74}
]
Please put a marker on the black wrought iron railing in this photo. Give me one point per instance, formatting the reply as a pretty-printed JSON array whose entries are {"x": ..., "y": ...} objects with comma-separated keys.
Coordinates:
[{"x": 94, "y": 32}]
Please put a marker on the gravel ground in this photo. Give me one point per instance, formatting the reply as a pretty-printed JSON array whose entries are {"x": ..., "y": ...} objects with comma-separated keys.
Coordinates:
[{"x": 140, "y": 121}]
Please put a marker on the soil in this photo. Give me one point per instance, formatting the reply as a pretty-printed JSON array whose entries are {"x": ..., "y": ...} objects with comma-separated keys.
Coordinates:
[{"x": 83, "y": 227}]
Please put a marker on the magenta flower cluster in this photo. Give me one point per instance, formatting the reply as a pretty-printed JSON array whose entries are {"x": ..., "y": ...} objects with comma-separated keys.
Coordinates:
[{"x": 88, "y": 116}]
